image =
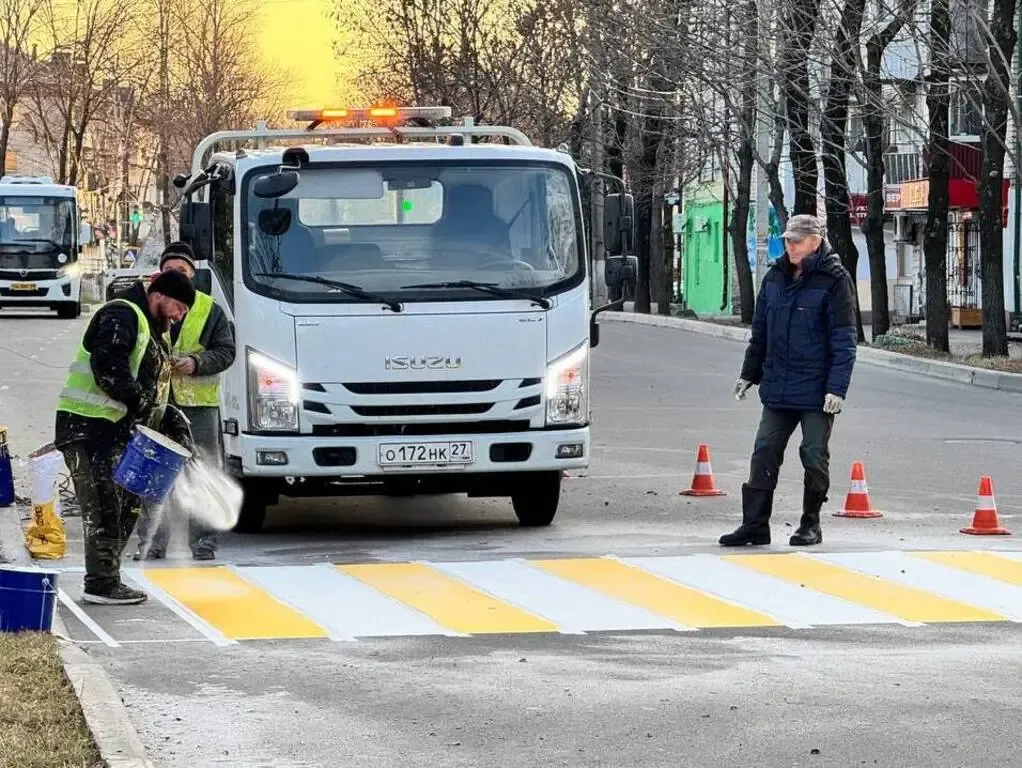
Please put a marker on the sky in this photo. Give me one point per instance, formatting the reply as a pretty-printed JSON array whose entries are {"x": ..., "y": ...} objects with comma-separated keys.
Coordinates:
[{"x": 298, "y": 36}]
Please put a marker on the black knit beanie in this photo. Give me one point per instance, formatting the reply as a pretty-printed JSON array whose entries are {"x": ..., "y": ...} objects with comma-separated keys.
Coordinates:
[
  {"x": 178, "y": 250},
  {"x": 174, "y": 285}
]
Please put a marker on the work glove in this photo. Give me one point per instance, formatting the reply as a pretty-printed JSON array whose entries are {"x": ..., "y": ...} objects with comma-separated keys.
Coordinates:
[
  {"x": 832, "y": 404},
  {"x": 741, "y": 387}
]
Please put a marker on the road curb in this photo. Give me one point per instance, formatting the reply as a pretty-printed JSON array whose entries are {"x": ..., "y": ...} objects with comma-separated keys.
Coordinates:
[
  {"x": 105, "y": 714},
  {"x": 933, "y": 369}
]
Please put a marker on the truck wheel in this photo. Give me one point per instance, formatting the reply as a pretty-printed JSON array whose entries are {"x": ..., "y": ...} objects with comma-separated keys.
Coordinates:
[
  {"x": 536, "y": 504},
  {"x": 253, "y": 507},
  {"x": 69, "y": 311}
]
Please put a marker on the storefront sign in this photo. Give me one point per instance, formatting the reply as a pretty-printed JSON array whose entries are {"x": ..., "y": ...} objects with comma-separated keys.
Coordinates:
[
  {"x": 915, "y": 194},
  {"x": 892, "y": 198}
]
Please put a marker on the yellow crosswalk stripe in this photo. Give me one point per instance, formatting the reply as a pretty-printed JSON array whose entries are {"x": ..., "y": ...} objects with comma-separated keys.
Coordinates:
[
  {"x": 236, "y": 607},
  {"x": 981, "y": 563},
  {"x": 905, "y": 603},
  {"x": 666, "y": 598},
  {"x": 448, "y": 601}
]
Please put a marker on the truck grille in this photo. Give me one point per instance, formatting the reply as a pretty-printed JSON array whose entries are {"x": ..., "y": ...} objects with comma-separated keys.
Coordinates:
[
  {"x": 504, "y": 426},
  {"x": 29, "y": 276},
  {"x": 421, "y": 387},
  {"x": 390, "y": 411}
]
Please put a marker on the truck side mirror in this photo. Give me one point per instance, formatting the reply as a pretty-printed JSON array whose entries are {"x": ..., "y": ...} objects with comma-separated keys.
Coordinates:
[
  {"x": 594, "y": 326},
  {"x": 618, "y": 223},
  {"x": 197, "y": 227}
]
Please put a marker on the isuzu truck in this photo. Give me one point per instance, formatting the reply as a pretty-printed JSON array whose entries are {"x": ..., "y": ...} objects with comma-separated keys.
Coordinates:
[{"x": 411, "y": 302}]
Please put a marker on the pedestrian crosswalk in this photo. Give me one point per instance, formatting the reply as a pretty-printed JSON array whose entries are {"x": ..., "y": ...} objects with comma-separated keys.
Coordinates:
[{"x": 225, "y": 604}]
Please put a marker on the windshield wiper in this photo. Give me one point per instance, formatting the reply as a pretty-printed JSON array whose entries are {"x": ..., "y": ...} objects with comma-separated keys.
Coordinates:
[
  {"x": 352, "y": 290},
  {"x": 491, "y": 288},
  {"x": 44, "y": 240}
]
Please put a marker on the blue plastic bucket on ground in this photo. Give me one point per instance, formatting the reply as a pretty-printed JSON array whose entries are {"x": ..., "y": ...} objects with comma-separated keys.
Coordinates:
[
  {"x": 150, "y": 465},
  {"x": 6, "y": 473},
  {"x": 28, "y": 599}
]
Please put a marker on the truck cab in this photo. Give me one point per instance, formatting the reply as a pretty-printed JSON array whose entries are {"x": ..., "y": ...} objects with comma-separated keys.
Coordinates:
[
  {"x": 411, "y": 308},
  {"x": 41, "y": 240}
]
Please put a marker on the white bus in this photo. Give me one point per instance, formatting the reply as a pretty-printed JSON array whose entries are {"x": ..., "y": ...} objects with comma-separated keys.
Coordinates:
[
  {"x": 412, "y": 308},
  {"x": 40, "y": 244}
]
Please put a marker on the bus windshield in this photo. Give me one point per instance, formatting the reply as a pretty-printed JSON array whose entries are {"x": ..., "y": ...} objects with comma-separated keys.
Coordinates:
[
  {"x": 36, "y": 232},
  {"x": 416, "y": 231}
]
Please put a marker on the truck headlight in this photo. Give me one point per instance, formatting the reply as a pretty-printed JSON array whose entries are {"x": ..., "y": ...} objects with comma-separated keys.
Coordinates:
[
  {"x": 567, "y": 388},
  {"x": 272, "y": 394},
  {"x": 70, "y": 270}
]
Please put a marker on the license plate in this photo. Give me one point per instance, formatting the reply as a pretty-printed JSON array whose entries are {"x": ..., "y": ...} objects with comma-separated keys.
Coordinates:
[
  {"x": 23, "y": 286},
  {"x": 416, "y": 454}
]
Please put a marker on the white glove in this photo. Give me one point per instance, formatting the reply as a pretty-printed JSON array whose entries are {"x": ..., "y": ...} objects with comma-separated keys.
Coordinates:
[
  {"x": 832, "y": 404},
  {"x": 741, "y": 387}
]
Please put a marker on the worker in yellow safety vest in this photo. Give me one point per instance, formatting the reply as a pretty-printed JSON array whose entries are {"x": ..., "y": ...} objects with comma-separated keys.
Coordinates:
[
  {"x": 202, "y": 348},
  {"x": 119, "y": 378}
]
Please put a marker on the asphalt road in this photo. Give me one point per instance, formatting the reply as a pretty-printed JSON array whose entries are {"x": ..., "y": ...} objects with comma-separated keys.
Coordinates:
[{"x": 869, "y": 652}]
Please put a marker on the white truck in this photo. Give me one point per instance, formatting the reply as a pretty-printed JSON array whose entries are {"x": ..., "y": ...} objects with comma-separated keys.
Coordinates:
[
  {"x": 411, "y": 306},
  {"x": 41, "y": 239}
]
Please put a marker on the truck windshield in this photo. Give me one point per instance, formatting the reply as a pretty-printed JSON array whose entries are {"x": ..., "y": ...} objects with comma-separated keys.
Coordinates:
[
  {"x": 416, "y": 231},
  {"x": 36, "y": 232}
]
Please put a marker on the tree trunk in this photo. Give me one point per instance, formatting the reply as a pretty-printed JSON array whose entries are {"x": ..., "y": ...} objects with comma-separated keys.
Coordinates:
[
  {"x": 5, "y": 136},
  {"x": 833, "y": 144},
  {"x": 873, "y": 119},
  {"x": 738, "y": 226},
  {"x": 657, "y": 255},
  {"x": 773, "y": 167},
  {"x": 800, "y": 30},
  {"x": 935, "y": 235},
  {"x": 643, "y": 228},
  {"x": 991, "y": 233}
]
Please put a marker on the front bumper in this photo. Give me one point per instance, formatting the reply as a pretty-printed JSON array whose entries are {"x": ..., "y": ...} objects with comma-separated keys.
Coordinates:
[
  {"x": 45, "y": 293},
  {"x": 355, "y": 457}
]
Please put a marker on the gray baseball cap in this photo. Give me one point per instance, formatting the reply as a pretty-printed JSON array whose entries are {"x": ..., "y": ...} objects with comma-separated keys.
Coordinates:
[{"x": 802, "y": 226}]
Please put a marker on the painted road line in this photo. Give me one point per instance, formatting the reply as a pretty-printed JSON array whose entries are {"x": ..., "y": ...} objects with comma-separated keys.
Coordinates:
[
  {"x": 983, "y": 563},
  {"x": 236, "y": 607},
  {"x": 1010, "y": 555},
  {"x": 138, "y": 576},
  {"x": 572, "y": 608},
  {"x": 1003, "y": 600},
  {"x": 792, "y": 606},
  {"x": 446, "y": 600},
  {"x": 341, "y": 604},
  {"x": 635, "y": 586},
  {"x": 87, "y": 620},
  {"x": 905, "y": 603}
]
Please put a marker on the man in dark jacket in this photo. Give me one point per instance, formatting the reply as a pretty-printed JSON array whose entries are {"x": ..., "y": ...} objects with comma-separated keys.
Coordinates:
[
  {"x": 202, "y": 348},
  {"x": 120, "y": 377},
  {"x": 801, "y": 355}
]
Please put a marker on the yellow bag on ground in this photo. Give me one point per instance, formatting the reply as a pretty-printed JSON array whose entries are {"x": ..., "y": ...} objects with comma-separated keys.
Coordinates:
[{"x": 45, "y": 538}]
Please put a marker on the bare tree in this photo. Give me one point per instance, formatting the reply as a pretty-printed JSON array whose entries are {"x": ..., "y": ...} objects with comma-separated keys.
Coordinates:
[
  {"x": 996, "y": 102},
  {"x": 19, "y": 20},
  {"x": 935, "y": 236},
  {"x": 833, "y": 143},
  {"x": 800, "y": 27}
]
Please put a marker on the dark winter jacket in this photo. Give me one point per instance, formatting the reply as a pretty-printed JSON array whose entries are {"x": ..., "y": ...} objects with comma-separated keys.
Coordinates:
[
  {"x": 217, "y": 339},
  {"x": 803, "y": 334},
  {"x": 110, "y": 338}
]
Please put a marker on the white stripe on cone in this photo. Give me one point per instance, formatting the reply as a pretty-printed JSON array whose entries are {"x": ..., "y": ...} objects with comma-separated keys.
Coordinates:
[
  {"x": 859, "y": 487},
  {"x": 703, "y": 469}
]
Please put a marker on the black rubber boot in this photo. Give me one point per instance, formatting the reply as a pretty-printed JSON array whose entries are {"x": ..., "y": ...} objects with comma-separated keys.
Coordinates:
[
  {"x": 757, "y": 505},
  {"x": 809, "y": 533}
]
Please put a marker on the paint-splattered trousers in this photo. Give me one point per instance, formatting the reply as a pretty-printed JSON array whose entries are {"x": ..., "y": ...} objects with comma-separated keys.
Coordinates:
[
  {"x": 109, "y": 512},
  {"x": 205, "y": 427}
]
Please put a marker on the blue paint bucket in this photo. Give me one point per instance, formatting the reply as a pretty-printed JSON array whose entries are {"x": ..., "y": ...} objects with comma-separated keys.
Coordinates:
[
  {"x": 28, "y": 599},
  {"x": 6, "y": 473},
  {"x": 150, "y": 465}
]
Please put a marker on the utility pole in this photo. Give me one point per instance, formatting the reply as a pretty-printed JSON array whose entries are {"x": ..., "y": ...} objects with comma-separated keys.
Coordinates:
[{"x": 764, "y": 105}]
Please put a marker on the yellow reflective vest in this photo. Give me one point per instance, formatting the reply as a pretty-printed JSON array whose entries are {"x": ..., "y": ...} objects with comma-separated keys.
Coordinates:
[
  {"x": 195, "y": 391},
  {"x": 81, "y": 394}
]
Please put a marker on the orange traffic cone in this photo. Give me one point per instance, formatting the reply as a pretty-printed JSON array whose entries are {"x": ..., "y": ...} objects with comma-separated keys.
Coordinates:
[
  {"x": 984, "y": 520},
  {"x": 702, "y": 481},
  {"x": 857, "y": 502}
]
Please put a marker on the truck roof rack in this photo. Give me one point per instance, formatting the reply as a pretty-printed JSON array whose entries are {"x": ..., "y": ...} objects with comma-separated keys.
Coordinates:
[{"x": 262, "y": 135}]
